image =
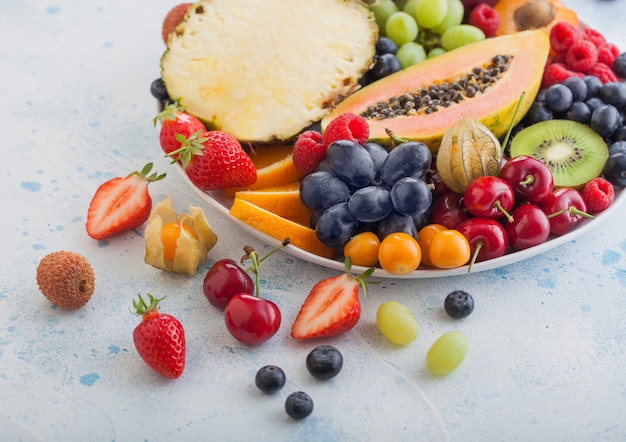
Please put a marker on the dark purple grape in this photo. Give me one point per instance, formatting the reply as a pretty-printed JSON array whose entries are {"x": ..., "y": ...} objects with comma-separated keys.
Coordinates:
[
  {"x": 396, "y": 223},
  {"x": 411, "y": 196},
  {"x": 320, "y": 190},
  {"x": 336, "y": 226},
  {"x": 351, "y": 163},
  {"x": 385, "y": 45},
  {"x": 370, "y": 204},
  {"x": 385, "y": 65},
  {"x": 411, "y": 158}
]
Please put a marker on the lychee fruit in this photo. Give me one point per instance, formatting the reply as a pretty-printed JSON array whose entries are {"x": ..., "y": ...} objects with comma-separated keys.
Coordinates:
[{"x": 66, "y": 279}]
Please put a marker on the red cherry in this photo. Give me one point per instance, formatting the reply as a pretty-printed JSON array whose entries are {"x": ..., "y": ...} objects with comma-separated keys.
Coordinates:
[
  {"x": 250, "y": 319},
  {"x": 487, "y": 238},
  {"x": 565, "y": 208},
  {"x": 224, "y": 280},
  {"x": 530, "y": 227},
  {"x": 489, "y": 197},
  {"x": 529, "y": 177},
  {"x": 448, "y": 210}
]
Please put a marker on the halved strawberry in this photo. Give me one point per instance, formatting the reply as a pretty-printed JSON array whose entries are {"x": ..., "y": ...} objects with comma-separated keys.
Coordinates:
[
  {"x": 332, "y": 307},
  {"x": 173, "y": 19},
  {"x": 121, "y": 204}
]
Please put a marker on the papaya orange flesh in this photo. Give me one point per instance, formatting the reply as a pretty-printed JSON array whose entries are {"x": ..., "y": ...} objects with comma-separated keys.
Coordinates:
[{"x": 494, "y": 106}]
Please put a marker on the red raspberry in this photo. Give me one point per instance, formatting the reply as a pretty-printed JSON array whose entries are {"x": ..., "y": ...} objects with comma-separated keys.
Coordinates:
[
  {"x": 562, "y": 36},
  {"x": 308, "y": 151},
  {"x": 603, "y": 72},
  {"x": 485, "y": 18},
  {"x": 347, "y": 127},
  {"x": 581, "y": 56},
  {"x": 607, "y": 53},
  {"x": 173, "y": 18},
  {"x": 593, "y": 36},
  {"x": 598, "y": 194},
  {"x": 556, "y": 73}
]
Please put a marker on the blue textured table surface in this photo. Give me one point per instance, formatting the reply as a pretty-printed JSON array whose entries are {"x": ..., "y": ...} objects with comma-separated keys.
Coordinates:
[{"x": 547, "y": 337}]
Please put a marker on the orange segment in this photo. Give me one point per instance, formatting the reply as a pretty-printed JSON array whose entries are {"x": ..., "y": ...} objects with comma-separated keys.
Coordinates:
[
  {"x": 279, "y": 227},
  {"x": 274, "y": 167},
  {"x": 282, "y": 200}
]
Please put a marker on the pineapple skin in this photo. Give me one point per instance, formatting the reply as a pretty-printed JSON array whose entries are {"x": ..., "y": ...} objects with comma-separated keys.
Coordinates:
[{"x": 264, "y": 70}]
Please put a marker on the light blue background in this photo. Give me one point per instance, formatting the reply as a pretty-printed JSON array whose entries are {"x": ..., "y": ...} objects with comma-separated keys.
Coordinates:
[{"x": 547, "y": 337}]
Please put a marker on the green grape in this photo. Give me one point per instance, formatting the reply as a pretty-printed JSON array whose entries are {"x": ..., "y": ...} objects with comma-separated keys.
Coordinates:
[
  {"x": 401, "y": 4},
  {"x": 382, "y": 11},
  {"x": 401, "y": 28},
  {"x": 436, "y": 51},
  {"x": 447, "y": 352},
  {"x": 396, "y": 322},
  {"x": 454, "y": 17},
  {"x": 409, "y": 7},
  {"x": 410, "y": 53},
  {"x": 430, "y": 13},
  {"x": 461, "y": 35}
]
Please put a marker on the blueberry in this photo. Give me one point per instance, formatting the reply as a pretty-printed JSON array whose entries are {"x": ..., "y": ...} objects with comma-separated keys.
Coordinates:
[
  {"x": 538, "y": 112},
  {"x": 299, "y": 405},
  {"x": 615, "y": 169},
  {"x": 324, "y": 362},
  {"x": 411, "y": 158},
  {"x": 459, "y": 304},
  {"x": 270, "y": 379},
  {"x": 541, "y": 96},
  {"x": 370, "y": 204},
  {"x": 578, "y": 87},
  {"x": 614, "y": 93},
  {"x": 594, "y": 103},
  {"x": 385, "y": 65},
  {"x": 396, "y": 222},
  {"x": 559, "y": 98},
  {"x": 320, "y": 190},
  {"x": 617, "y": 146},
  {"x": 411, "y": 196},
  {"x": 620, "y": 134},
  {"x": 158, "y": 90},
  {"x": 619, "y": 65},
  {"x": 336, "y": 226},
  {"x": 351, "y": 163},
  {"x": 594, "y": 85},
  {"x": 605, "y": 120},
  {"x": 385, "y": 45},
  {"x": 579, "y": 111}
]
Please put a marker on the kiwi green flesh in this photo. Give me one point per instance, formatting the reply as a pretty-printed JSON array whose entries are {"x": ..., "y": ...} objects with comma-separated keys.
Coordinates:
[{"x": 573, "y": 151}]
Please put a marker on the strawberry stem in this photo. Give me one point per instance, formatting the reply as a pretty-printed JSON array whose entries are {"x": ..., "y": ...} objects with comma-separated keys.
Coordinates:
[
  {"x": 361, "y": 279},
  {"x": 145, "y": 174},
  {"x": 141, "y": 307},
  {"x": 189, "y": 147}
]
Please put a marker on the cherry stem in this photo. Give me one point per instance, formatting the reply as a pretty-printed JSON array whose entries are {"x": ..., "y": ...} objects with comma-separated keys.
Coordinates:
[
  {"x": 479, "y": 245},
  {"x": 252, "y": 255},
  {"x": 573, "y": 210},
  {"x": 528, "y": 179},
  {"x": 506, "y": 214}
]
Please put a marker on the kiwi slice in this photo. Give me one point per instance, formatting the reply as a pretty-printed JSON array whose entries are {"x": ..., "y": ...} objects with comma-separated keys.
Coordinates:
[{"x": 573, "y": 151}]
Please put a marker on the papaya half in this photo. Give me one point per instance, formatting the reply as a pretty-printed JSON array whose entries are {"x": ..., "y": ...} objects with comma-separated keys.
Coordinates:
[{"x": 484, "y": 81}]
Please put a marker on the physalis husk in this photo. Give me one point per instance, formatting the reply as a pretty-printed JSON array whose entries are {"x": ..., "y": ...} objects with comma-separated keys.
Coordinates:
[{"x": 195, "y": 239}]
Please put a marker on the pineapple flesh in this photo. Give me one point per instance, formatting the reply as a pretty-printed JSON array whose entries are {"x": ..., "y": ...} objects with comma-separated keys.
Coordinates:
[{"x": 263, "y": 70}]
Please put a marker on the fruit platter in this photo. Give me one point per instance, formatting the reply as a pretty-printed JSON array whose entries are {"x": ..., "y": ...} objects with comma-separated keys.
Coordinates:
[{"x": 443, "y": 138}]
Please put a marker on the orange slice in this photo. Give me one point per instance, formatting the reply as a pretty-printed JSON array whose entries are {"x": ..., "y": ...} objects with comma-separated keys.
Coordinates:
[
  {"x": 274, "y": 167},
  {"x": 279, "y": 227},
  {"x": 282, "y": 200}
]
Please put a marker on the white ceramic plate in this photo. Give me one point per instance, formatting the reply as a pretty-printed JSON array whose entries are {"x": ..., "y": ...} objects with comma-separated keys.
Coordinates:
[{"x": 222, "y": 204}]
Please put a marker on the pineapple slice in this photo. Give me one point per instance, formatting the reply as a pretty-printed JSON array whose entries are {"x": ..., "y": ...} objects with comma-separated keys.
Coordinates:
[{"x": 263, "y": 70}]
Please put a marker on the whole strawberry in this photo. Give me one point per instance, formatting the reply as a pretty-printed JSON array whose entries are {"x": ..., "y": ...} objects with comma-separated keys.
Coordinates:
[
  {"x": 121, "y": 204},
  {"x": 172, "y": 19},
  {"x": 215, "y": 160},
  {"x": 159, "y": 338},
  {"x": 332, "y": 307},
  {"x": 174, "y": 123}
]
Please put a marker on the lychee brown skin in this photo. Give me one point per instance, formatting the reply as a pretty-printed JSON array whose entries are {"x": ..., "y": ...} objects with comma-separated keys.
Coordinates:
[{"x": 66, "y": 279}]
